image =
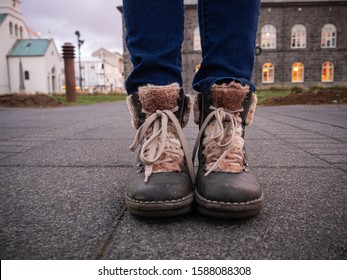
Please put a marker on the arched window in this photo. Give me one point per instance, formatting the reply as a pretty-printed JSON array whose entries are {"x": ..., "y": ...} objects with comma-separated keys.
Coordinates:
[
  {"x": 26, "y": 75},
  {"x": 298, "y": 36},
  {"x": 11, "y": 28},
  {"x": 268, "y": 75},
  {"x": 21, "y": 32},
  {"x": 16, "y": 30},
  {"x": 327, "y": 72},
  {"x": 328, "y": 36},
  {"x": 197, "y": 45},
  {"x": 298, "y": 72},
  {"x": 268, "y": 37}
]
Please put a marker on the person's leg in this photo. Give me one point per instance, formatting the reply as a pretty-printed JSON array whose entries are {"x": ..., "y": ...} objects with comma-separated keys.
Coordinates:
[
  {"x": 160, "y": 184},
  {"x": 154, "y": 34},
  {"x": 225, "y": 186},
  {"x": 228, "y": 33}
]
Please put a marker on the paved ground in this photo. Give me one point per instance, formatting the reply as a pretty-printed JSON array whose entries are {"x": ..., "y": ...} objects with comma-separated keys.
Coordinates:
[{"x": 63, "y": 172}]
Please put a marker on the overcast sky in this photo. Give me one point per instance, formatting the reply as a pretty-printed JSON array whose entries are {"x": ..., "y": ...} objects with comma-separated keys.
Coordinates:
[{"x": 99, "y": 22}]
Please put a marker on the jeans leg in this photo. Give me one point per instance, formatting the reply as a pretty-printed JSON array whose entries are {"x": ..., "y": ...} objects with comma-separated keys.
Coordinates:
[
  {"x": 228, "y": 31},
  {"x": 154, "y": 35}
]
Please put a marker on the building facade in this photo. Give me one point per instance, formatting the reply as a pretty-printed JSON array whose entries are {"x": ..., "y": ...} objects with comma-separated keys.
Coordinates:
[
  {"x": 102, "y": 72},
  {"x": 28, "y": 64},
  {"x": 300, "y": 42},
  {"x": 34, "y": 66}
]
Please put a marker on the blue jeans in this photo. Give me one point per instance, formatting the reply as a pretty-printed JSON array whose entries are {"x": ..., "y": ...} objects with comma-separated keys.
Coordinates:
[{"x": 154, "y": 35}]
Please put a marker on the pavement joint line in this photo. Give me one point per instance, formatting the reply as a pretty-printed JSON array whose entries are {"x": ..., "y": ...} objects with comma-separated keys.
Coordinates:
[
  {"x": 308, "y": 120},
  {"x": 302, "y": 149},
  {"x": 293, "y": 167},
  {"x": 31, "y": 148},
  {"x": 105, "y": 247},
  {"x": 298, "y": 127}
]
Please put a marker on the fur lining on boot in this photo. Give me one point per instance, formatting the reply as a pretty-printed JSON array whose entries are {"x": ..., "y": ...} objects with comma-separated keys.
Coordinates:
[
  {"x": 154, "y": 98},
  {"x": 196, "y": 110},
  {"x": 133, "y": 114},
  {"x": 187, "y": 112},
  {"x": 251, "y": 112},
  {"x": 229, "y": 96}
]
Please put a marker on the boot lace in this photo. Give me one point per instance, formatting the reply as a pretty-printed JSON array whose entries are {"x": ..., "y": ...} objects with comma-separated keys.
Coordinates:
[
  {"x": 223, "y": 129},
  {"x": 157, "y": 140}
]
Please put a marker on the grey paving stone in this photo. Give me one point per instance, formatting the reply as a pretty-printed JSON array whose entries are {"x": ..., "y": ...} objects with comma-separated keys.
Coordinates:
[
  {"x": 12, "y": 149},
  {"x": 76, "y": 153},
  {"x": 328, "y": 151},
  {"x": 6, "y": 155},
  {"x": 58, "y": 213},
  {"x": 334, "y": 158},
  {"x": 7, "y": 133},
  {"x": 105, "y": 131},
  {"x": 276, "y": 153},
  {"x": 342, "y": 166}
]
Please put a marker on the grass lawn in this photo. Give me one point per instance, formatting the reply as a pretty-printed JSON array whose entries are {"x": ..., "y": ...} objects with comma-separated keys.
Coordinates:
[
  {"x": 87, "y": 99},
  {"x": 264, "y": 94}
]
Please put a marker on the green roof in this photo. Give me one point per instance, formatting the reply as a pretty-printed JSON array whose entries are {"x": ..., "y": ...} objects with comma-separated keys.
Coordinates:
[
  {"x": 29, "y": 47},
  {"x": 2, "y": 18}
]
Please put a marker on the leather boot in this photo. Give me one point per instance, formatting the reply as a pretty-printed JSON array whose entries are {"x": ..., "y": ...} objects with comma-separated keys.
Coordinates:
[
  {"x": 161, "y": 183},
  {"x": 225, "y": 185}
]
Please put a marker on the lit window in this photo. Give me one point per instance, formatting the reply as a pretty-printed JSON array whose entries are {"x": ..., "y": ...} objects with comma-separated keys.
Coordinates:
[
  {"x": 26, "y": 75},
  {"x": 328, "y": 36},
  {"x": 298, "y": 36},
  {"x": 327, "y": 72},
  {"x": 11, "y": 28},
  {"x": 197, "y": 44},
  {"x": 268, "y": 37},
  {"x": 298, "y": 72},
  {"x": 268, "y": 73}
]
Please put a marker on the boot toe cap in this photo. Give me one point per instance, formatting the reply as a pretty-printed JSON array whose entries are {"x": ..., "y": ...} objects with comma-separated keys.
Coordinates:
[
  {"x": 229, "y": 187},
  {"x": 160, "y": 187}
]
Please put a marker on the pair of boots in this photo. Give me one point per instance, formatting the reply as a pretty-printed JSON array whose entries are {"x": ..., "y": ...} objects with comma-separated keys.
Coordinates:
[{"x": 162, "y": 182}]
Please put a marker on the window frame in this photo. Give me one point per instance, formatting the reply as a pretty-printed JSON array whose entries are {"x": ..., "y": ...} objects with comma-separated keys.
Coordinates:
[
  {"x": 271, "y": 76},
  {"x": 16, "y": 30},
  {"x": 298, "y": 37},
  {"x": 331, "y": 36},
  {"x": 26, "y": 75},
  {"x": 271, "y": 31},
  {"x": 301, "y": 68},
  {"x": 11, "y": 28},
  {"x": 328, "y": 65}
]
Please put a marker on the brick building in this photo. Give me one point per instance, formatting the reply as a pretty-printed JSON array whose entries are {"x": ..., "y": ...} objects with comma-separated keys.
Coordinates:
[{"x": 301, "y": 42}]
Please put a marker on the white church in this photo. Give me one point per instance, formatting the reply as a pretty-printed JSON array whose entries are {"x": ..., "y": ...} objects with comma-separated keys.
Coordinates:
[{"x": 28, "y": 64}]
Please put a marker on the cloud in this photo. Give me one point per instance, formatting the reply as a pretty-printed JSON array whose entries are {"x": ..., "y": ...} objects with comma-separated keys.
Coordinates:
[{"x": 99, "y": 22}]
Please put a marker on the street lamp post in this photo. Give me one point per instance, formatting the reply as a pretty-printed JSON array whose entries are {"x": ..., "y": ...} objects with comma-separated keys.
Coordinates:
[{"x": 79, "y": 43}]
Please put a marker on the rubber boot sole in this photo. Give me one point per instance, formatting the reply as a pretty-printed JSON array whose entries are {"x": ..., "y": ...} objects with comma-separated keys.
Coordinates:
[
  {"x": 160, "y": 208},
  {"x": 229, "y": 210}
]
